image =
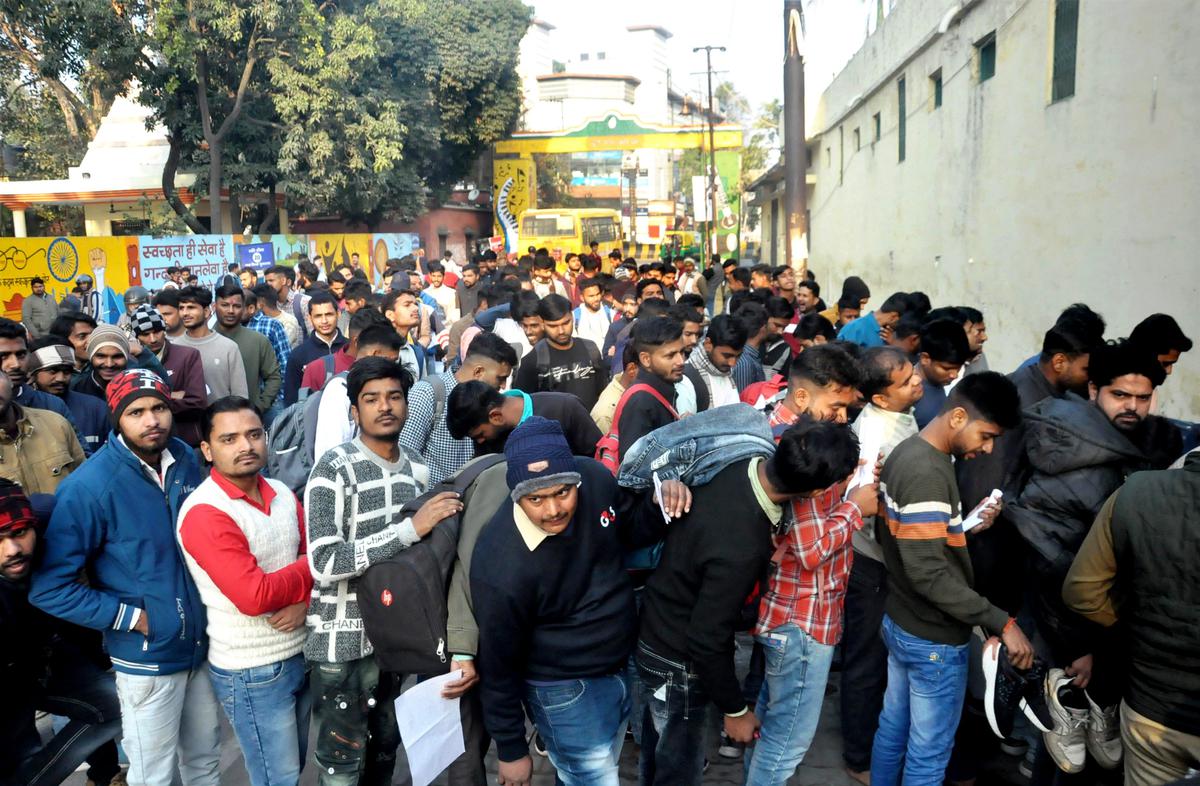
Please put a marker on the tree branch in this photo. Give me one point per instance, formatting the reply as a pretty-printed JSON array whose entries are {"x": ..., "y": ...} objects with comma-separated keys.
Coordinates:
[{"x": 168, "y": 186}]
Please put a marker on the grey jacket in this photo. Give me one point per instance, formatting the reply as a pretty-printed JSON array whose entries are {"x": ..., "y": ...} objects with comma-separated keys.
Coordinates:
[
  {"x": 480, "y": 503},
  {"x": 38, "y": 313},
  {"x": 696, "y": 448},
  {"x": 1078, "y": 459}
]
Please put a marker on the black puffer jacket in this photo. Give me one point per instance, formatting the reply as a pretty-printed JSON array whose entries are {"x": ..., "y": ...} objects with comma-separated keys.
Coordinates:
[{"x": 1078, "y": 459}]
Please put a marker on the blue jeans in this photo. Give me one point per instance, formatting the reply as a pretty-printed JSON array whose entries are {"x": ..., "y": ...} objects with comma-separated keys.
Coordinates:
[
  {"x": 582, "y": 723},
  {"x": 673, "y": 722},
  {"x": 921, "y": 709},
  {"x": 789, "y": 705},
  {"x": 268, "y": 707},
  {"x": 170, "y": 728}
]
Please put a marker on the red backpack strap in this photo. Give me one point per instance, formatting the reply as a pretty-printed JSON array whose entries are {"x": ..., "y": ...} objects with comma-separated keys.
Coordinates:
[{"x": 640, "y": 387}]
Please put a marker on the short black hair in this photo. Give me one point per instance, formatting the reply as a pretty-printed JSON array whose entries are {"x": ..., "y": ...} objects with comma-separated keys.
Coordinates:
[
  {"x": 692, "y": 300},
  {"x": 945, "y": 341},
  {"x": 230, "y": 290},
  {"x": 811, "y": 286},
  {"x": 877, "y": 365},
  {"x": 225, "y": 404},
  {"x": 907, "y": 325},
  {"x": 469, "y": 405},
  {"x": 752, "y": 316},
  {"x": 654, "y": 307},
  {"x": 1071, "y": 337},
  {"x": 336, "y": 278},
  {"x": 989, "y": 396},
  {"x": 377, "y": 335},
  {"x": 367, "y": 318},
  {"x": 262, "y": 291},
  {"x": 971, "y": 314},
  {"x": 812, "y": 325},
  {"x": 896, "y": 303},
  {"x": 369, "y": 369},
  {"x": 812, "y": 455},
  {"x": 1086, "y": 317},
  {"x": 918, "y": 303},
  {"x": 681, "y": 313},
  {"x": 779, "y": 308},
  {"x": 357, "y": 289},
  {"x": 554, "y": 307},
  {"x": 646, "y": 283},
  {"x": 1160, "y": 333},
  {"x": 33, "y": 282},
  {"x": 543, "y": 263},
  {"x": 64, "y": 324},
  {"x": 725, "y": 331},
  {"x": 525, "y": 304},
  {"x": 320, "y": 299},
  {"x": 1118, "y": 358},
  {"x": 492, "y": 347},
  {"x": 436, "y": 267},
  {"x": 285, "y": 271},
  {"x": 849, "y": 301},
  {"x": 589, "y": 282},
  {"x": 825, "y": 364},
  {"x": 654, "y": 332},
  {"x": 170, "y": 297},
  {"x": 741, "y": 275},
  {"x": 10, "y": 330},
  {"x": 198, "y": 295},
  {"x": 392, "y": 295}
]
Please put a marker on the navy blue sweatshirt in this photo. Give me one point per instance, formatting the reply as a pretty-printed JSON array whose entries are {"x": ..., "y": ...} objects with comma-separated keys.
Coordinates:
[{"x": 562, "y": 611}]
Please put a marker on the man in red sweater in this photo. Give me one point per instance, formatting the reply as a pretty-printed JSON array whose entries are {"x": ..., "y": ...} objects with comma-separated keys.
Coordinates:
[{"x": 243, "y": 540}]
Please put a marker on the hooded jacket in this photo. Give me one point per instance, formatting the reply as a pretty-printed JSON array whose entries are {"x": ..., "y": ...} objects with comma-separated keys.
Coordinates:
[
  {"x": 1078, "y": 458},
  {"x": 113, "y": 520}
]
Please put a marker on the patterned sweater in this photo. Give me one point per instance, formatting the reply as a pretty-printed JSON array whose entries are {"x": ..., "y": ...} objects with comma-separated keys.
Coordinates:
[{"x": 350, "y": 499}]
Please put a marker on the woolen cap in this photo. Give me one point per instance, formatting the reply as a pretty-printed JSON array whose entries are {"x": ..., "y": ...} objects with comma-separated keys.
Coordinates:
[
  {"x": 107, "y": 336},
  {"x": 132, "y": 384},
  {"x": 538, "y": 458}
]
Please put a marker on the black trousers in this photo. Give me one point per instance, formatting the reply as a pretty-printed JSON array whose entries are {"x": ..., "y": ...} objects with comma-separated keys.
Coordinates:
[{"x": 864, "y": 660}]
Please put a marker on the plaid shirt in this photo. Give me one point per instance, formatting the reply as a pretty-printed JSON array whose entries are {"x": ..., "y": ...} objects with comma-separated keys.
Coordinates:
[
  {"x": 275, "y": 333},
  {"x": 808, "y": 587},
  {"x": 444, "y": 454}
]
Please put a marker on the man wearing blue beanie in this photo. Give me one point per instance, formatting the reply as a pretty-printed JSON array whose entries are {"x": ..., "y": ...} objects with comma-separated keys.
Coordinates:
[{"x": 555, "y": 608}]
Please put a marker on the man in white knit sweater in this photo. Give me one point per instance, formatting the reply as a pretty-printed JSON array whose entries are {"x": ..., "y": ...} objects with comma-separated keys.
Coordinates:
[{"x": 243, "y": 540}]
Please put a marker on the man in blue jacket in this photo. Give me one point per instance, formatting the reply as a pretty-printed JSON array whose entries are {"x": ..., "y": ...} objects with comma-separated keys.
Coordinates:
[{"x": 115, "y": 519}]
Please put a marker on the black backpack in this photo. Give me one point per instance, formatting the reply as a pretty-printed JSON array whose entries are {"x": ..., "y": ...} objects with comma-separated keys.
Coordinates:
[{"x": 403, "y": 598}]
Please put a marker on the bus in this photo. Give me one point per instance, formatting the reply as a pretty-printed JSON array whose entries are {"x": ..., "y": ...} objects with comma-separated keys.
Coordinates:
[{"x": 567, "y": 230}]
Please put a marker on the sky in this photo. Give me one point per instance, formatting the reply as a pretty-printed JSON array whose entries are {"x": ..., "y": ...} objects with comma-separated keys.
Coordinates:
[{"x": 751, "y": 31}]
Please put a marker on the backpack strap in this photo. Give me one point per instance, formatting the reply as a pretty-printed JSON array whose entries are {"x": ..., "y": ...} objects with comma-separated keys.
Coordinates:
[
  {"x": 594, "y": 355},
  {"x": 298, "y": 313},
  {"x": 462, "y": 481},
  {"x": 329, "y": 368},
  {"x": 640, "y": 387}
]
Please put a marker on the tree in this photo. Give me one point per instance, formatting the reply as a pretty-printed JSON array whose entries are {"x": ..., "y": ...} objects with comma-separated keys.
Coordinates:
[{"x": 375, "y": 126}]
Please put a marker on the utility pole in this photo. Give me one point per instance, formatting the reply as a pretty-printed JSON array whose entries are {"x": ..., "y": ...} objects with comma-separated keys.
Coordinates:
[
  {"x": 712, "y": 156},
  {"x": 795, "y": 152}
]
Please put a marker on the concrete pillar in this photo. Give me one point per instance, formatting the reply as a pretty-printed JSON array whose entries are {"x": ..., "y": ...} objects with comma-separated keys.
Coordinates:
[{"x": 19, "y": 229}]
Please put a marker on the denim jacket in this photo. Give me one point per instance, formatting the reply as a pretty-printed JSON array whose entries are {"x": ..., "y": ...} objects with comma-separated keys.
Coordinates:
[{"x": 696, "y": 448}]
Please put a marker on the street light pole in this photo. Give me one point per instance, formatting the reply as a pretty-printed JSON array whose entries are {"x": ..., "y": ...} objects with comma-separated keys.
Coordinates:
[
  {"x": 795, "y": 152},
  {"x": 712, "y": 156}
]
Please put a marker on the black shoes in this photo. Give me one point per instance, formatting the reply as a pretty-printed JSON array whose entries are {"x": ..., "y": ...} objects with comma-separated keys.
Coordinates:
[{"x": 1009, "y": 690}]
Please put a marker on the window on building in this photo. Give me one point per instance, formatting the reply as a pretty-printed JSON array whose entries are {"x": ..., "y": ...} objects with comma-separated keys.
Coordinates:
[
  {"x": 558, "y": 67},
  {"x": 986, "y": 51},
  {"x": 935, "y": 87},
  {"x": 857, "y": 140},
  {"x": 902, "y": 127},
  {"x": 877, "y": 121},
  {"x": 1066, "y": 33},
  {"x": 599, "y": 55},
  {"x": 583, "y": 56}
]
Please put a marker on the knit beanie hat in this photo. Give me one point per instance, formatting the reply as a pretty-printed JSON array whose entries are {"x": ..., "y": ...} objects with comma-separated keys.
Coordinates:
[
  {"x": 538, "y": 457},
  {"x": 107, "y": 336},
  {"x": 132, "y": 384},
  {"x": 15, "y": 509},
  {"x": 145, "y": 319},
  {"x": 52, "y": 356}
]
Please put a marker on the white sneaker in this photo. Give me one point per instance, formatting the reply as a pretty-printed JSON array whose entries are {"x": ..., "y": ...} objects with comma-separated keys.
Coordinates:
[
  {"x": 1067, "y": 743},
  {"x": 1104, "y": 735}
]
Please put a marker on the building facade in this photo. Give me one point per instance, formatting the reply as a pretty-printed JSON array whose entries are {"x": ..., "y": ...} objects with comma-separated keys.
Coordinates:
[{"x": 1019, "y": 155}]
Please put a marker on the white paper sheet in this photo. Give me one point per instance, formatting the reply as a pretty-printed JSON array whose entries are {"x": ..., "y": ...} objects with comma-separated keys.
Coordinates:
[
  {"x": 870, "y": 444},
  {"x": 659, "y": 497},
  {"x": 430, "y": 727}
]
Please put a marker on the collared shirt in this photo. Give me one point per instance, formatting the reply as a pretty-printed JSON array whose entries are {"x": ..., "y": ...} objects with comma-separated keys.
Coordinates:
[
  {"x": 748, "y": 369},
  {"x": 273, "y": 330},
  {"x": 808, "y": 586},
  {"x": 159, "y": 474},
  {"x": 421, "y": 434},
  {"x": 531, "y": 533}
]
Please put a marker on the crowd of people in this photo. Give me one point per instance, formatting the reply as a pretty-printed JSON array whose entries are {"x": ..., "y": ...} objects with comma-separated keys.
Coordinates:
[{"x": 640, "y": 468}]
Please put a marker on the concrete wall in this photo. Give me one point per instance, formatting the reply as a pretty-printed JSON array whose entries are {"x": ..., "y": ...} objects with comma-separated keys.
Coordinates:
[{"x": 1008, "y": 201}]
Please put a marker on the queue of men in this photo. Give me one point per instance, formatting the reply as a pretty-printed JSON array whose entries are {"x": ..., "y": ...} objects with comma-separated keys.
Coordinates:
[{"x": 226, "y": 467}]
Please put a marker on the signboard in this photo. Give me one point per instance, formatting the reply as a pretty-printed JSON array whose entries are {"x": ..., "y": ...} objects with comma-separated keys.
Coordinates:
[
  {"x": 514, "y": 184},
  {"x": 207, "y": 257},
  {"x": 256, "y": 256},
  {"x": 496, "y": 244}
]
